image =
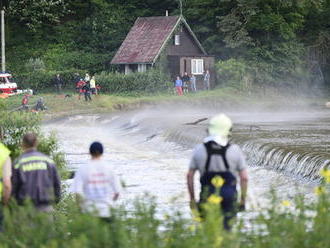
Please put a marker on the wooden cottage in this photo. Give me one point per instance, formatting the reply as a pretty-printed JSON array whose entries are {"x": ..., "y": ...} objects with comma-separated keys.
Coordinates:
[{"x": 154, "y": 37}]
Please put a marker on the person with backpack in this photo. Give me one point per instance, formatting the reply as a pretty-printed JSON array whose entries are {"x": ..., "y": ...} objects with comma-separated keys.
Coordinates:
[{"x": 220, "y": 165}]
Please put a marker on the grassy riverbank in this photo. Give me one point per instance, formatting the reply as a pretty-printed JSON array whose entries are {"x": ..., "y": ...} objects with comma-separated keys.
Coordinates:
[{"x": 59, "y": 105}]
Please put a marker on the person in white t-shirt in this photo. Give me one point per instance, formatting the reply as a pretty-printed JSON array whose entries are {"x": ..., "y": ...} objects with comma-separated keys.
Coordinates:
[{"x": 95, "y": 184}]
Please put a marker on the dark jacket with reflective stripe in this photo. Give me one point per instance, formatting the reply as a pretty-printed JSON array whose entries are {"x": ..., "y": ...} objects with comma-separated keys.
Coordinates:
[{"x": 35, "y": 178}]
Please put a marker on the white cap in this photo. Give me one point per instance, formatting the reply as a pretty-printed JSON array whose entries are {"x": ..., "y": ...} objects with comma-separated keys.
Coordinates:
[{"x": 219, "y": 127}]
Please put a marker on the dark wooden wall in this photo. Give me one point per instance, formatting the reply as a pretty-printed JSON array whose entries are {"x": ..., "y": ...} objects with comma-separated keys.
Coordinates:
[{"x": 187, "y": 45}]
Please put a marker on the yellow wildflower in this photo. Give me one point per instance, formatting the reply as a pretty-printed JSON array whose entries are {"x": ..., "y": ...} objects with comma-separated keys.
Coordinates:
[
  {"x": 218, "y": 241},
  {"x": 217, "y": 181},
  {"x": 286, "y": 203},
  {"x": 214, "y": 199},
  {"x": 192, "y": 228},
  {"x": 198, "y": 219},
  {"x": 319, "y": 190},
  {"x": 325, "y": 173}
]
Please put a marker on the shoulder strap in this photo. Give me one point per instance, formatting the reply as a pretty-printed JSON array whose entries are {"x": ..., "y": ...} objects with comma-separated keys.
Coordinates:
[{"x": 213, "y": 148}]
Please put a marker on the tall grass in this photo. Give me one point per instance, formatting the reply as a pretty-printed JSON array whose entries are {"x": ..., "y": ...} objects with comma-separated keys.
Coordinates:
[{"x": 294, "y": 223}]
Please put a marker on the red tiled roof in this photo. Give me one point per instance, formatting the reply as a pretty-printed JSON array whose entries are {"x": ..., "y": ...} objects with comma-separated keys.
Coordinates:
[{"x": 145, "y": 39}]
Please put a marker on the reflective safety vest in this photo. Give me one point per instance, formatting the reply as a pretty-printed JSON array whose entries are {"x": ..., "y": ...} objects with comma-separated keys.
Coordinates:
[{"x": 4, "y": 153}]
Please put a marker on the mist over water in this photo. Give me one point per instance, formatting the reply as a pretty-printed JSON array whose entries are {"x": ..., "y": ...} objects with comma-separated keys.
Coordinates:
[{"x": 150, "y": 148}]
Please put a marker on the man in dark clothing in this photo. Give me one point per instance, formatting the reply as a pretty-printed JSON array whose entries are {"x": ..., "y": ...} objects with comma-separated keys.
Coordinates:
[
  {"x": 87, "y": 91},
  {"x": 185, "y": 81},
  {"x": 58, "y": 83},
  {"x": 35, "y": 177}
]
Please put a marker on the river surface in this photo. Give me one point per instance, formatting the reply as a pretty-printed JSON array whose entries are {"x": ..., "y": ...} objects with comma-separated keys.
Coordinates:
[{"x": 150, "y": 149}]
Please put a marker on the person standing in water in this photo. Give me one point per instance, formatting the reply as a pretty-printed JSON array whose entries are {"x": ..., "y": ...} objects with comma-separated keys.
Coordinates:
[
  {"x": 96, "y": 186},
  {"x": 220, "y": 164}
]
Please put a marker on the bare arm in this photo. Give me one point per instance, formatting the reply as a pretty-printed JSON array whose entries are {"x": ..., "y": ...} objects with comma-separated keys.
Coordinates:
[
  {"x": 115, "y": 197},
  {"x": 190, "y": 184},
  {"x": 7, "y": 182},
  {"x": 244, "y": 184}
]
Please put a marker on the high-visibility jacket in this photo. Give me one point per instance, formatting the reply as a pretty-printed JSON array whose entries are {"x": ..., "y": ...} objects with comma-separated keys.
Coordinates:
[{"x": 4, "y": 154}]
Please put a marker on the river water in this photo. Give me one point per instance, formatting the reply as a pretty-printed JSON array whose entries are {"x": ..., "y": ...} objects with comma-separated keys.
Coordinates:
[{"x": 150, "y": 149}]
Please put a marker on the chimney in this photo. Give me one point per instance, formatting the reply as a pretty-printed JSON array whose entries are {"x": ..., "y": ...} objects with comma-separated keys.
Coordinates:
[{"x": 166, "y": 14}]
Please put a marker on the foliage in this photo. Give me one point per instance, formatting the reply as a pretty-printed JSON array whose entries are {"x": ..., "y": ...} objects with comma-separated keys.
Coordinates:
[
  {"x": 150, "y": 81},
  {"x": 35, "y": 13},
  {"x": 41, "y": 80},
  {"x": 283, "y": 223},
  {"x": 284, "y": 38},
  {"x": 14, "y": 125}
]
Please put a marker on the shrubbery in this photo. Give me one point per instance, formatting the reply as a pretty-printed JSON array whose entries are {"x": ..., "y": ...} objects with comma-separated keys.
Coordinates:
[
  {"x": 242, "y": 74},
  {"x": 39, "y": 80},
  {"x": 284, "y": 223},
  {"x": 13, "y": 126},
  {"x": 150, "y": 81}
]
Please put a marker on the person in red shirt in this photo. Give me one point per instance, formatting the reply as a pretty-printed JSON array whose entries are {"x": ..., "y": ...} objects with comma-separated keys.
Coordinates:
[
  {"x": 25, "y": 101},
  {"x": 81, "y": 83}
]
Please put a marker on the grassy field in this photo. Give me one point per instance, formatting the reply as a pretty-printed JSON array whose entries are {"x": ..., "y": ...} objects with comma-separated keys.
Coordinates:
[{"x": 59, "y": 105}]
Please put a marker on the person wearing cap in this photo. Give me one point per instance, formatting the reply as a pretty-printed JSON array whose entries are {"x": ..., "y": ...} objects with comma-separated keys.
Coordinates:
[
  {"x": 96, "y": 186},
  {"x": 217, "y": 158},
  {"x": 5, "y": 182}
]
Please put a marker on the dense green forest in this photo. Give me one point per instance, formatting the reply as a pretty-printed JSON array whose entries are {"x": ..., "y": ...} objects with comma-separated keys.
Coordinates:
[{"x": 273, "y": 42}]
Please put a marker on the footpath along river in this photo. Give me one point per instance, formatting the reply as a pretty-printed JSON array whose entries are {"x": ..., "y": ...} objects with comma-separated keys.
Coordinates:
[{"x": 150, "y": 149}]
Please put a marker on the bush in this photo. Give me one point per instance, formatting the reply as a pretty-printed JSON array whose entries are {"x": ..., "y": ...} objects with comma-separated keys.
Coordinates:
[
  {"x": 41, "y": 80},
  {"x": 14, "y": 125},
  {"x": 283, "y": 223},
  {"x": 150, "y": 81}
]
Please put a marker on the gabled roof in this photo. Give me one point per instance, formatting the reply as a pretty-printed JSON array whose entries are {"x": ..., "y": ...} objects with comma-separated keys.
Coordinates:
[{"x": 147, "y": 38}]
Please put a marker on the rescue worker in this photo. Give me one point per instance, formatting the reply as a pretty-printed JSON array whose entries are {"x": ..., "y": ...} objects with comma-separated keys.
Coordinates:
[
  {"x": 96, "y": 185},
  {"x": 35, "y": 177},
  {"x": 25, "y": 102},
  {"x": 5, "y": 182},
  {"x": 216, "y": 157}
]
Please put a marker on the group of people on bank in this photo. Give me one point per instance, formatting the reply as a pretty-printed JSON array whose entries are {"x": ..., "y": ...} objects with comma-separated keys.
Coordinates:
[
  {"x": 185, "y": 83},
  {"x": 34, "y": 177},
  {"x": 85, "y": 86}
]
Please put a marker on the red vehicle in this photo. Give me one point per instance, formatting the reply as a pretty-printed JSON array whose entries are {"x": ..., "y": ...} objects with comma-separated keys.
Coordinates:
[{"x": 6, "y": 86}]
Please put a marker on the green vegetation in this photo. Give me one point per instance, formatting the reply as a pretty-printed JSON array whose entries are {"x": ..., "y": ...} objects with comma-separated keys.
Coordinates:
[
  {"x": 279, "y": 43},
  {"x": 284, "y": 223},
  {"x": 13, "y": 126}
]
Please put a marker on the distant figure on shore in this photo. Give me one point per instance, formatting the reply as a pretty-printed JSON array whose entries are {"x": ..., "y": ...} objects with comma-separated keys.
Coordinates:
[
  {"x": 79, "y": 88},
  {"x": 25, "y": 102},
  {"x": 35, "y": 177},
  {"x": 185, "y": 82},
  {"x": 40, "y": 105},
  {"x": 87, "y": 92},
  {"x": 207, "y": 80},
  {"x": 178, "y": 86},
  {"x": 87, "y": 78},
  {"x": 96, "y": 186},
  {"x": 93, "y": 86},
  {"x": 58, "y": 83},
  {"x": 193, "y": 83}
]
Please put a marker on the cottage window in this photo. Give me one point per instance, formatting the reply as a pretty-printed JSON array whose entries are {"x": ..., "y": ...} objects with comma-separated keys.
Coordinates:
[
  {"x": 142, "y": 67},
  {"x": 197, "y": 66},
  {"x": 177, "y": 40}
]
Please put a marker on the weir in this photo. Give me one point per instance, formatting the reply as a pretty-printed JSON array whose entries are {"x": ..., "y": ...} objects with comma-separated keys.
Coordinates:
[{"x": 151, "y": 148}]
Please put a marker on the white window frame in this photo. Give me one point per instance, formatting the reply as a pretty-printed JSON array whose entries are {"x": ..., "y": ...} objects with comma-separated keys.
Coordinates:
[
  {"x": 197, "y": 66},
  {"x": 177, "y": 40},
  {"x": 142, "y": 67}
]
